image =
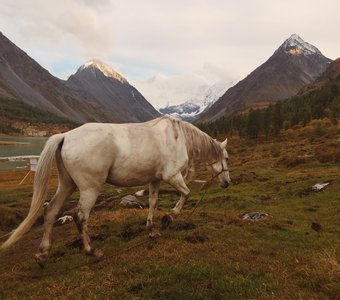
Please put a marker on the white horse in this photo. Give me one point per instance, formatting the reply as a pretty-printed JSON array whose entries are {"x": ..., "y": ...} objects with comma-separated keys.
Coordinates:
[{"x": 124, "y": 155}]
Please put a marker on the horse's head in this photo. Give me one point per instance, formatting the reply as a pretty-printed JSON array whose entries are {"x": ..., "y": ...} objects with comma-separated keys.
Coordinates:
[{"x": 219, "y": 168}]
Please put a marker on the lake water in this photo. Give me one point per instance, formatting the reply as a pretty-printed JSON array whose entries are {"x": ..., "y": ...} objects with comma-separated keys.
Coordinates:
[{"x": 23, "y": 146}]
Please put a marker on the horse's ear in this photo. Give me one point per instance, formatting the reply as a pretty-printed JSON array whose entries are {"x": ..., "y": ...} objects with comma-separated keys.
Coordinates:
[{"x": 224, "y": 143}]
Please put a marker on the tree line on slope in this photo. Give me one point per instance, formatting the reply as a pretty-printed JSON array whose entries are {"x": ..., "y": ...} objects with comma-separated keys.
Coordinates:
[{"x": 14, "y": 110}]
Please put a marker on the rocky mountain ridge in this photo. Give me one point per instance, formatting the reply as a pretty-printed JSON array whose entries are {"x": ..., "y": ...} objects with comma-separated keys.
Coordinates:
[
  {"x": 293, "y": 65},
  {"x": 24, "y": 79}
]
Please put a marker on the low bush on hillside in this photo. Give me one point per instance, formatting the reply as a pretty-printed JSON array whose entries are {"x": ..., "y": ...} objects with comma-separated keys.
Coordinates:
[
  {"x": 292, "y": 160},
  {"x": 328, "y": 152}
]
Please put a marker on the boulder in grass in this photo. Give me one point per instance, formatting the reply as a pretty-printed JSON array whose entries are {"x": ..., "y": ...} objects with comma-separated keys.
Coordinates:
[
  {"x": 130, "y": 201},
  {"x": 254, "y": 216},
  {"x": 316, "y": 226},
  {"x": 320, "y": 186}
]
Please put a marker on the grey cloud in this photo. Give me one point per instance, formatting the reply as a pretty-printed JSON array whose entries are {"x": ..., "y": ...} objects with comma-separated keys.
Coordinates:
[{"x": 170, "y": 36}]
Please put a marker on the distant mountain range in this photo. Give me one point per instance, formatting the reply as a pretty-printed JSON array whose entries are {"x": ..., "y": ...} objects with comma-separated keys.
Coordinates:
[
  {"x": 94, "y": 93},
  {"x": 190, "y": 110},
  {"x": 187, "y": 95},
  {"x": 293, "y": 65},
  {"x": 97, "y": 93}
]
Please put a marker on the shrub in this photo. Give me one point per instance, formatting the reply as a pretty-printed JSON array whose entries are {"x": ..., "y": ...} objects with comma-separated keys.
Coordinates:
[
  {"x": 328, "y": 152},
  {"x": 275, "y": 151},
  {"x": 292, "y": 161},
  {"x": 320, "y": 129}
]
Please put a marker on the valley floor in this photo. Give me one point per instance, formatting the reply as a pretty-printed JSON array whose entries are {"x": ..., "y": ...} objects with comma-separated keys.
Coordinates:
[{"x": 210, "y": 254}]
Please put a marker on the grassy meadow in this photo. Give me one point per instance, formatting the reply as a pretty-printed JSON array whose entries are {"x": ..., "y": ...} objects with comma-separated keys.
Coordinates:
[{"x": 209, "y": 251}]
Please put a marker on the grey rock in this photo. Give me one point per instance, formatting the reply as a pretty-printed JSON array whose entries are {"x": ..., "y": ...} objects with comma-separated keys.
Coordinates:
[
  {"x": 63, "y": 220},
  {"x": 320, "y": 186},
  {"x": 254, "y": 216},
  {"x": 130, "y": 201},
  {"x": 141, "y": 193}
]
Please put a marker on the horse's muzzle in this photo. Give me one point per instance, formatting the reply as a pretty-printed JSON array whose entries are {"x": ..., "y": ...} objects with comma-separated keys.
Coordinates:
[{"x": 224, "y": 184}]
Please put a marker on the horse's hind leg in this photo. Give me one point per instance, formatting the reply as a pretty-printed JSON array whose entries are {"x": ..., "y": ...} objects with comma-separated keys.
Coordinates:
[
  {"x": 153, "y": 197},
  {"x": 65, "y": 189},
  {"x": 179, "y": 184},
  {"x": 87, "y": 199}
]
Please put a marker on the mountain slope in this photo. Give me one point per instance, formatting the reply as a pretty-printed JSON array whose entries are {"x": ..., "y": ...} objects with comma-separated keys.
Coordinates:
[
  {"x": 99, "y": 84},
  {"x": 90, "y": 95},
  {"x": 320, "y": 99},
  {"x": 332, "y": 73},
  {"x": 23, "y": 78},
  {"x": 293, "y": 65}
]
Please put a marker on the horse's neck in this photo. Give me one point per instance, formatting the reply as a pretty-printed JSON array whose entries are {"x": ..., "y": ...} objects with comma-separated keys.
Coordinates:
[{"x": 204, "y": 150}]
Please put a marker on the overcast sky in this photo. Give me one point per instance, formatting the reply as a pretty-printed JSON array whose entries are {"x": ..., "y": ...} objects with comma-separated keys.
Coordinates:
[{"x": 142, "y": 38}]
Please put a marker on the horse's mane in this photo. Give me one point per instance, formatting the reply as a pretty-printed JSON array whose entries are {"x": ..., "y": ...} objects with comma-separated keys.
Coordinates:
[
  {"x": 200, "y": 146},
  {"x": 154, "y": 122}
]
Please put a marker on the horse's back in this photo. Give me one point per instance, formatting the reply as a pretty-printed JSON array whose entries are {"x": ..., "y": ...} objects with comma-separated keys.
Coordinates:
[{"x": 125, "y": 154}]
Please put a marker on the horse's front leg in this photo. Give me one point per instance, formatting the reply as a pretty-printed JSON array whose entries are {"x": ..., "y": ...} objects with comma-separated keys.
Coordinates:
[
  {"x": 179, "y": 184},
  {"x": 153, "y": 197},
  {"x": 189, "y": 173}
]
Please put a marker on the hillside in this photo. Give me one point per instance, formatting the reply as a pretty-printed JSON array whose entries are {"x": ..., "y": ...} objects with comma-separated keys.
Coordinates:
[
  {"x": 331, "y": 74},
  {"x": 24, "y": 79},
  {"x": 89, "y": 95},
  {"x": 293, "y": 65},
  {"x": 320, "y": 99},
  {"x": 99, "y": 84},
  {"x": 17, "y": 117}
]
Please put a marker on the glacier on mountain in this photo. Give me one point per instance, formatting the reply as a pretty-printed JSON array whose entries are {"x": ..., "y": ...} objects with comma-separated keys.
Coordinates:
[{"x": 183, "y": 96}]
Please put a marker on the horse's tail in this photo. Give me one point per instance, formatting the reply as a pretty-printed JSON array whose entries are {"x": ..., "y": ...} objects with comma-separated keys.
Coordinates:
[{"x": 40, "y": 188}]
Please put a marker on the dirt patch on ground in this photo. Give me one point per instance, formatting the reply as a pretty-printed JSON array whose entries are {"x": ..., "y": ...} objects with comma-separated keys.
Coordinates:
[
  {"x": 196, "y": 238},
  {"x": 182, "y": 226},
  {"x": 130, "y": 231},
  {"x": 248, "y": 177}
]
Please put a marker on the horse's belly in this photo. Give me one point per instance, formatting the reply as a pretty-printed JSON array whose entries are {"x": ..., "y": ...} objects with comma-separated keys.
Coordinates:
[{"x": 124, "y": 179}]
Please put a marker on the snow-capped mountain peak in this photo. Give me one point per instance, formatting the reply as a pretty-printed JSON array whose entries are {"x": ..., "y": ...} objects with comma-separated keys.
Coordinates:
[
  {"x": 103, "y": 68},
  {"x": 296, "y": 45},
  {"x": 184, "y": 96}
]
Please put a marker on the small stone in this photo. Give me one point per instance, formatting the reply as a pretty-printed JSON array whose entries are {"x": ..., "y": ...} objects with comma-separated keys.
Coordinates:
[
  {"x": 63, "y": 220},
  {"x": 320, "y": 186},
  {"x": 140, "y": 193},
  {"x": 316, "y": 226},
  {"x": 254, "y": 216}
]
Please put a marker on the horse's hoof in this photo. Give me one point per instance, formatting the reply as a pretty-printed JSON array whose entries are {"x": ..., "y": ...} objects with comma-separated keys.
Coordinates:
[
  {"x": 166, "y": 221},
  {"x": 154, "y": 233},
  {"x": 40, "y": 259}
]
